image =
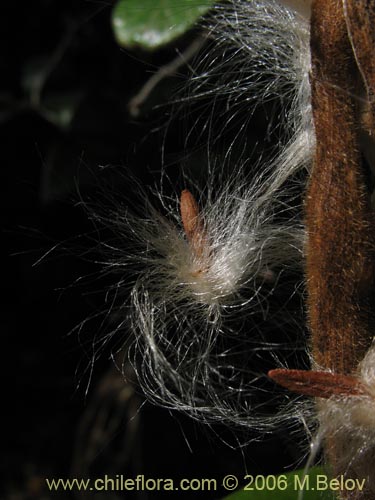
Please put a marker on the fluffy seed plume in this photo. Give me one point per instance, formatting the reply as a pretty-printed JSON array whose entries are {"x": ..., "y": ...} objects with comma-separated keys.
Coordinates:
[
  {"x": 206, "y": 281},
  {"x": 345, "y": 413},
  {"x": 201, "y": 306},
  {"x": 207, "y": 275},
  {"x": 259, "y": 52},
  {"x": 347, "y": 424}
]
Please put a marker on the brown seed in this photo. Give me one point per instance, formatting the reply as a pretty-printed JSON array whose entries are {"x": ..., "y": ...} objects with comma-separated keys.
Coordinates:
[
  {"x": 317, "y": 384},
  {"x": 189, "y": 214},
  {"x": 192, "y": 223}
]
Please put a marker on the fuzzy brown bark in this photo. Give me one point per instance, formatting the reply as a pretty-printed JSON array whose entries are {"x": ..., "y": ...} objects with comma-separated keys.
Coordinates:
[
  {"x": 340, "y": 250},
  {"x": 340, "y": 246}
]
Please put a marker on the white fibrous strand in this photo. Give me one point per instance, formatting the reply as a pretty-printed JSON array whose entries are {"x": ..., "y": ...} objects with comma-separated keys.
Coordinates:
[
  {"x": 260, "y": 53},
  {"x": 202, "y": 304},
  {"x": 201, "y": 279},
  {"x": 203, "y": 275},
  {"x": 204, "y": 270},
  {"x": 198, "y": 303}
]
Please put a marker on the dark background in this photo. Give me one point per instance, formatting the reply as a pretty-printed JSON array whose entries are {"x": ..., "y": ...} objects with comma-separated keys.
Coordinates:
[{"x": 58, "y": 419}]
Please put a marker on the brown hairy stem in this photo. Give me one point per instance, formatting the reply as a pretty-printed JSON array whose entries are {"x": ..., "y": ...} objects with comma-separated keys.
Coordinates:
[
  {"x": 340, "y": 249},
  {"x": 340, "y": 246},
  {"x": 340, "y": 223}
]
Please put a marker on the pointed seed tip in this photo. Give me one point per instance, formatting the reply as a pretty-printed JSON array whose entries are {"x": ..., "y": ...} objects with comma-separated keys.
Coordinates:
[{"x": 317, "y": 383}]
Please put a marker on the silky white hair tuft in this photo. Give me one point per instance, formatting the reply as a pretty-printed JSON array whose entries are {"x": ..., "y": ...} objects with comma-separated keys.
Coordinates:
[
  {"x": 205, "y": 297},
  {"x": 260, "y": 52},
  {"x": 201, "y": 317},
  {"x": 348, "y": 423},
  {"x": 209, "y": 317},
  {"x": 189, "y": 309}
]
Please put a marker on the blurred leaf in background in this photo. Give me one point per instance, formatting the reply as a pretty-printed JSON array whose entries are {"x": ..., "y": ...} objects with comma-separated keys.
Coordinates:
[{"x": 150, "y": 24}]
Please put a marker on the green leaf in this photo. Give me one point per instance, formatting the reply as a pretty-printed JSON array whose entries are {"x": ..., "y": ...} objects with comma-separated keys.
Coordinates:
[
  {"x": 150, "y": 24},
  {"x": 287, "y": 487}
]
